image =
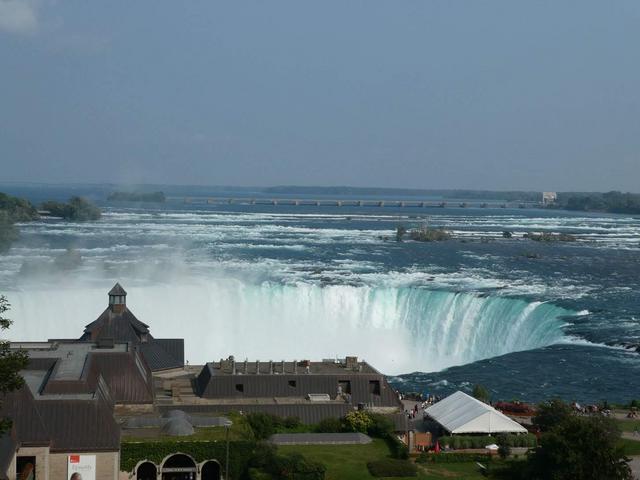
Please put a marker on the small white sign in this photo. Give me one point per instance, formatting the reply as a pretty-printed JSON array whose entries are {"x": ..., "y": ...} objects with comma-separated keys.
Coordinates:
[{"x": 81, "y": 467}]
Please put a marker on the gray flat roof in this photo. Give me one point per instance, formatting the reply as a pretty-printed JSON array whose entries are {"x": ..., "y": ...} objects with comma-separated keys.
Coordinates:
[
  {"x": 71, "y": 356},
  {"x": 319, "y": 438}
]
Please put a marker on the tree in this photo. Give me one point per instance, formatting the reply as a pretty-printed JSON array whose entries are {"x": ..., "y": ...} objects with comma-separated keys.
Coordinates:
[
  {"x": 400, "y": 231},
  {"x": 481, "y": 393},
  {"x": 579, "y": 448},
  {"x": 550, "y": 414},
  {"x": 11, "y": 362}
]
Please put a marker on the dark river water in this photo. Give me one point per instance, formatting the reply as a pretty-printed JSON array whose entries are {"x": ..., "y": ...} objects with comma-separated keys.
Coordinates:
[{"x": 527, "y": 319}]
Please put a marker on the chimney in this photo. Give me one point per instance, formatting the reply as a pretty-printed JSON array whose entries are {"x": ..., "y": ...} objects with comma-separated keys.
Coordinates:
[
  {"x": 295, "y": 366},
  {"x": 271, "y": 367},
  {"x": 351, "y": 363},
  {"x": 257, "y": 367},
  {"x": 246, "y": 366}
]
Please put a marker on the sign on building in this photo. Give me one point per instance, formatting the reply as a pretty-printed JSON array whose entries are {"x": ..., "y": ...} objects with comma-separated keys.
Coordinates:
[{"x": 81, "y": 467}]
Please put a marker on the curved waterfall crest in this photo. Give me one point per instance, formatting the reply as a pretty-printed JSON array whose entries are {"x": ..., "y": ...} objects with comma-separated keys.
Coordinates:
[{"x": 398, "y": 329}]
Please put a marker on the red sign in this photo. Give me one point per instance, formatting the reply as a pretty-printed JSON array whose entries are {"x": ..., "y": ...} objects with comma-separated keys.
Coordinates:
[{"x": 74, "y": 458}]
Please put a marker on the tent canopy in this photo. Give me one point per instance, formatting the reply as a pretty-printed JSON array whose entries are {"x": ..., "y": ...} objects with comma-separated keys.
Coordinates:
[{"x": 461, "y": 413}]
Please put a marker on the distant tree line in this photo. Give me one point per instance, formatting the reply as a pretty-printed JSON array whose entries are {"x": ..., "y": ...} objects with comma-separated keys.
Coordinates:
[
  {"x": 137, "y": 197},
  {"x": 76, "y": 209},
  {"x": 612, "y": 202}
]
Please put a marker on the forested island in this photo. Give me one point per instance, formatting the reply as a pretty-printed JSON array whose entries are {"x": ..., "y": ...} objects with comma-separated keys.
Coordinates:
[
  {"x": 158, "y": 197},
  {"x": 13, "y": 210},
  {"x": 76, "y": 209}
]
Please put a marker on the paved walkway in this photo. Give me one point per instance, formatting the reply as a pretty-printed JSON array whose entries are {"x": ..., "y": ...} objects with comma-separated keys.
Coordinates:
[{"x": 635, "y": 467}]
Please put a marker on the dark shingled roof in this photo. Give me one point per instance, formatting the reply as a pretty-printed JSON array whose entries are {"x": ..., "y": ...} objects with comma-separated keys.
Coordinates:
[
  {"x": 8, "y": 446},
  {"x": 117, "y": 290},
  {"x": 158, "y": 358},
  {"x": 28, "y": 425},
  {"x": 80, "y": 425},
  {"x": 121, "y": 327},
  {"x": 63, "y": 425},
  {"x": 127, "y": 379}
]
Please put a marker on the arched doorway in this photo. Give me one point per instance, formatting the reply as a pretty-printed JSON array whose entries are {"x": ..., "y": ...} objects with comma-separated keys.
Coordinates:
[
  {"x": 178, "y": 466},
  {"x": 146, "y": 471},
  {"x": 210, "y": 470}
]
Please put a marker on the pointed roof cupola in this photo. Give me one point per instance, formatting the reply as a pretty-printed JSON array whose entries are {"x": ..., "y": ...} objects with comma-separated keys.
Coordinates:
[{"x": 117, "y": 298}]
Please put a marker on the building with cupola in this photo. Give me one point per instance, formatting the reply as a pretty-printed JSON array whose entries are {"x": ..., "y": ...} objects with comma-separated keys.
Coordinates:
[{"x": 82, "y": 396}]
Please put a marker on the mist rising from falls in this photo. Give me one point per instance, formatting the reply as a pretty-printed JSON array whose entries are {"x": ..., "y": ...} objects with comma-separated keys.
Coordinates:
[{"x": 397, "y": 329}]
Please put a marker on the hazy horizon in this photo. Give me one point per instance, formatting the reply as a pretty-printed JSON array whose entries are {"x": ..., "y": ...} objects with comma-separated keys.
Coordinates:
[{"x": 432, "y": 95}]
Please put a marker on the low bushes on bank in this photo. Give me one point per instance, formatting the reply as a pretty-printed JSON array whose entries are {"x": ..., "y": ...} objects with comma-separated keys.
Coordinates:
[{"x": 469, "y": 441}]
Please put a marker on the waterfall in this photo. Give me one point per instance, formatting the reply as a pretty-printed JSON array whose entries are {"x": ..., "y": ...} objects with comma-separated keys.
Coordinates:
[{"x": 397, "y": 329}]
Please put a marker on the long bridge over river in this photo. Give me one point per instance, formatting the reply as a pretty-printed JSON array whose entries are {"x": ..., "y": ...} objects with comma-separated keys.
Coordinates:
[{"x": 324, "y": 202}]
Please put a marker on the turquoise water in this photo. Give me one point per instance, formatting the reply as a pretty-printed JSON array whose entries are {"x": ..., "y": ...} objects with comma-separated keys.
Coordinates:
[{"x": 528, "y": 320}]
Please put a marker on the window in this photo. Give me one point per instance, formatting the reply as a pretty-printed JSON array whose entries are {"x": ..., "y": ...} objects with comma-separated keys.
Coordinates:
[
  {"x": 292, "y": 383},
  {"x": 240, "y": 387},
  {"x": 26, "y": 467},
  {"x": 374, "y": 387},
  {"x": 344, "y": 387}
]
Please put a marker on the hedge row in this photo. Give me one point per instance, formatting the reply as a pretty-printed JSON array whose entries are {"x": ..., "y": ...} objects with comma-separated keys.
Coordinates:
[
  {"x": 239, "y": 453},
  {"x": 392, "y": 467},
  {"x": 464, "y": 441},
  {"x": 453, "y": 457}
]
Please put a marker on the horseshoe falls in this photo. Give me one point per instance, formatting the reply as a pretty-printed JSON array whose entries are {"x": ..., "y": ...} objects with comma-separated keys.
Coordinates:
[
  {"x": 526, "y": 319},
  {"x": 396, "y": 329}
]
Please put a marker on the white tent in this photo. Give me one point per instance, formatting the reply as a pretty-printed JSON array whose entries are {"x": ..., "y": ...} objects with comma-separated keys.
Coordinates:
[{"x": 460, "y": 413}]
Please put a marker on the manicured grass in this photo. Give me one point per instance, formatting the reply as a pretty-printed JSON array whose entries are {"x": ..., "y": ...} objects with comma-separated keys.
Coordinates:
[
  {"x": 349, "y": 462},
  {"x": 462, "y": 471},
  {"x": 631, "y": 447},
  {"x": 628, "y": 425}
]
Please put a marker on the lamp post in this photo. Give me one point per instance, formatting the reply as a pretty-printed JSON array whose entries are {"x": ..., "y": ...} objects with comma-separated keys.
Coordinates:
[{"x": 226, "y": 462}]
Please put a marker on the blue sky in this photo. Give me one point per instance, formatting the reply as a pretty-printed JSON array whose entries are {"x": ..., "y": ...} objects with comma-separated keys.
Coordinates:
[{"x": 541, "y": 95}]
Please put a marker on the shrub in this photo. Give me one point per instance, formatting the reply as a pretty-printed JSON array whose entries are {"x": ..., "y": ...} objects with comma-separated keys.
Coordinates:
[
  {"x": 255, "y": 474},
  {"x": 295, "y": 467},
  {"x": 504, "y": 450},
  {"x": 391, "y": 467},
  {"x": 381, "y": 425},
  {"x": 291, "y": 423},
  {"x": 358, "y": 421},
  {"x": 263, "y": 424},
  {"x": 330, "y": 425}
]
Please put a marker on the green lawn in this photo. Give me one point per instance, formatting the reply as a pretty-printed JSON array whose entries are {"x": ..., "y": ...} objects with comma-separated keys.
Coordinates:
[
  {"x": 628, "y": 425},
  {"x": 631, "y": 447},
  {"x": 349, "y": 462}
]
